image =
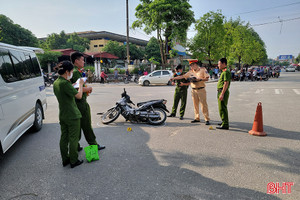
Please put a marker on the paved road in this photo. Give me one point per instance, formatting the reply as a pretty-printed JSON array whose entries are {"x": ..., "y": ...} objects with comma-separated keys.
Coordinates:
[{"x": 178, "y": 160}]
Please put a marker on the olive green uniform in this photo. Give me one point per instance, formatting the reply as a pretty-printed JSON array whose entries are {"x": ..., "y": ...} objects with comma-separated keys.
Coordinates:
[
  {"x": 180, "y": 94},
  {"x": 69, "y": 119},
  {"x": 225, "y": 77},
  {"x": 84, "y": 108}
]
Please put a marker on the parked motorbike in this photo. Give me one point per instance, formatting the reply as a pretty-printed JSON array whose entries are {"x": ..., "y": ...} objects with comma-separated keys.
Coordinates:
[
  {"x": 152, "y": 112},
  {"x": 133, "y": 78}
]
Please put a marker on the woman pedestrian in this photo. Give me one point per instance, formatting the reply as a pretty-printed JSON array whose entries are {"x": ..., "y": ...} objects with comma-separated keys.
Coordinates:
[{"x": 69, "y": 115}]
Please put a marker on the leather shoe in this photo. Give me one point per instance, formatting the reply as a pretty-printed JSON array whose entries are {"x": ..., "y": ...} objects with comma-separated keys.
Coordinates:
[
  {"x": 78, "y": 162},
  {"x": 207, "y": 123},
  {"x": 222, "y": 127},
  {"x": 220, "y": 123},
  {"x": 181, "y": 118},
  {"x": 172, "y": 115},
  {"x": 100, "y": 147},
  {"x": 65, "y": 163},
  {"x": 79, "y": 148},
  {"x": 195, "y": 121}
]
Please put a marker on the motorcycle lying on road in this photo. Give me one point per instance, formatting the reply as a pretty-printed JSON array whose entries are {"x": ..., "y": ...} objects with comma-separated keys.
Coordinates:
[{"x": 152, "y": 112}]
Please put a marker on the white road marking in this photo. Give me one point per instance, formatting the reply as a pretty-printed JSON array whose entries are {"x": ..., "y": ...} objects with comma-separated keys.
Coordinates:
[
  {"x": 297, "y": 91},
  {"x": 259, "y": 91},
  {"x": 278, "y": 91}
]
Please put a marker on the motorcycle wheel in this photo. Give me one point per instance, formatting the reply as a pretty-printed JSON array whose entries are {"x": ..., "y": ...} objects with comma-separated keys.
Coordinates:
[
  {"x": 161, "y": 120},
  {"x": 111, "y": 115}
]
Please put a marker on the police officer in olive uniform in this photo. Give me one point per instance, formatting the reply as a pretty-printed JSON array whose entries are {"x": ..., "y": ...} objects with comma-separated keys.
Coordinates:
[
  {"x": 223, "y": 93},
  {"x": 180, "y": 93},
  {"x": 69, "y": 115},
  {"x": 84, "y": 108}
]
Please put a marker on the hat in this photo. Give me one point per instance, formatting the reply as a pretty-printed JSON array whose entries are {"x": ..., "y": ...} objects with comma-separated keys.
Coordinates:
[{"x": 191, "y": 61}]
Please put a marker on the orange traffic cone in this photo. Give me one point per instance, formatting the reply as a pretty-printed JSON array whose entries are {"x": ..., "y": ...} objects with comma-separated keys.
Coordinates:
[{"x": 257, "y": 128}]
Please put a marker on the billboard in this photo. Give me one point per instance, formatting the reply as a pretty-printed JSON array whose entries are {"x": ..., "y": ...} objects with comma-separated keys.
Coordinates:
[{"x": 285, "y": 57}]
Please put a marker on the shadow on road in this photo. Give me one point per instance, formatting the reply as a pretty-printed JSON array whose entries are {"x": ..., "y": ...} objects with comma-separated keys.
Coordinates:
[{"x": 127, "y": 169}]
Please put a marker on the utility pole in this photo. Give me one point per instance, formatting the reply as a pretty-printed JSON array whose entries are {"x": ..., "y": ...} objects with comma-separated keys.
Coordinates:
[{"x": 127, "y": 37}]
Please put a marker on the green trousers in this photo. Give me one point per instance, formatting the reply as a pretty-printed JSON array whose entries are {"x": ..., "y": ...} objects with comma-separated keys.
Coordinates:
[
  {"x": 180, "y": 94},
  {"x": 223, "y": 108},
  {"x": 86, "y": 122},
  {"x": 70, "y": 132}
]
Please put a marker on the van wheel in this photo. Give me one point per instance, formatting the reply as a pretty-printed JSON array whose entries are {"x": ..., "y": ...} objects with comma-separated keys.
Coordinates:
[
  {"x": 146, "y": 83},
  {"x": 38, "y": 118}
]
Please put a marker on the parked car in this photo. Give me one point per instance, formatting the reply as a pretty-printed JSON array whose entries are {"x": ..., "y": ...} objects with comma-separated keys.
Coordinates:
[
  {"x": 119, "y": 67},
  {"x": 290, "y": 69},
  {"x": 22, "y": 94},
  {"x": 156, "y": 77}
]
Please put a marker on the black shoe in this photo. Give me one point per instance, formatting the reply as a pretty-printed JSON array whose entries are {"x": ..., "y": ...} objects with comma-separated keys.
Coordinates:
[
  {"x": 220, "y": 123},
  {"x": 195, "y": 121},
  {"x": 78, "y": 162},
  {"x": 65, "y": 163},
  {"x": 172, "y": 115},
  {"x": 207, "y": 123},
  {"x": 222, "y": 127},
  {"x": 181, "y": 118},
  {"x": 100, "y": 147},
  {"x": 79, "y": 148}
]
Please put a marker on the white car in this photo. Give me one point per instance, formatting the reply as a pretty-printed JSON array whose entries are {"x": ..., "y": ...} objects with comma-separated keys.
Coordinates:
[
  {"x": 156, "y": 77},
  {"x": 290, "y": 69}
]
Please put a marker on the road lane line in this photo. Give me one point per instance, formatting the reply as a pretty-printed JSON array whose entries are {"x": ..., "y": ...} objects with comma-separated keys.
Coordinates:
[
  {"x": 259, "y": 91},
  {"x": 278, "y": 91},
  {"x": 296, "y": 91}
]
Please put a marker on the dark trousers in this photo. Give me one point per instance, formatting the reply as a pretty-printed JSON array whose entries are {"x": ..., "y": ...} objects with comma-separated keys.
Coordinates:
[
  {"x": 223, "y": 108},
  {"x": 86, "y": 122},
  {"x": 180, "y": 94},
  {"x": 70, "y": 132}
]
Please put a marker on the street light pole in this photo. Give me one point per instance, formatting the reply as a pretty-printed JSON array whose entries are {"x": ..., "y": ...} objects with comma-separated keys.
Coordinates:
[{"x": 127, "y": 37}]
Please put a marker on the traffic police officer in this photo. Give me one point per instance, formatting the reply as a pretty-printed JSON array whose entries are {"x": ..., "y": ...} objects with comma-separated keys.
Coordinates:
[
  {"x": 84, "y": 108},
  {"x": 198, "y": 75},
  {"x": 223, "y": 93},
  {"x": 180, "y": 93},
  {"x": 69, "y": 115}
]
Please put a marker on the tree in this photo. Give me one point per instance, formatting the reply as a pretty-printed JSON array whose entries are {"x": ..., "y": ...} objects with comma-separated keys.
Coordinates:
[
  {"x": 15, "y": 34},
  {"x": 169, "y": 18},
  {"x": 48, "y": 57},
  {"x": 207, "y": 43},
  {"x": 135, "y": 52},
  {"x": 297, "y": 59},
  {"x": 64, "y": 41},
  {"x": 152, "y": 50},
  {"x": 116, "y": 49}
]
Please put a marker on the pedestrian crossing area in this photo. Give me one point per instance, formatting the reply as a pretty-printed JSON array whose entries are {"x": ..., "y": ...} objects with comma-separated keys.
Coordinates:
[{"x": 278, "y": 91}]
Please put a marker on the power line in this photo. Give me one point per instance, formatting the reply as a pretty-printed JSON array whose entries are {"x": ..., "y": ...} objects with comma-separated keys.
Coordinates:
[
  {"x": 267, "y": 8},
  {"x": 280, "y": 21}
]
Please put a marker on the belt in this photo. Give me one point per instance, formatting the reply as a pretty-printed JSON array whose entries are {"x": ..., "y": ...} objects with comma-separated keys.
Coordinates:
[{"x": 198, "y": 88}]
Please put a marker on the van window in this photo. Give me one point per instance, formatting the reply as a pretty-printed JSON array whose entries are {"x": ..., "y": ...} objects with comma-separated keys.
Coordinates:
[
  {"x": 166, "y": 73},
  {"x": 23, "y": 72},
  {"x": 6, "y": 68},
  {"x": 158, "y": 73},
  {"x": 35, "y": 64}
]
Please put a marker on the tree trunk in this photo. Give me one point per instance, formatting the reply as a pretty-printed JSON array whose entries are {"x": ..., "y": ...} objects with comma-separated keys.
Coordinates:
[{"x": 161, "y": 46}]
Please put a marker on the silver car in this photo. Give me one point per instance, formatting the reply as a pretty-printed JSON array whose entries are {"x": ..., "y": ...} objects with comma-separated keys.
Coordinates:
[{"x": 156, "y": 77}]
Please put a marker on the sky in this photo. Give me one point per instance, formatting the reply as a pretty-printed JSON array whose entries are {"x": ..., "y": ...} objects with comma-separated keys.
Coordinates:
[{"x": 43, "y": 17}]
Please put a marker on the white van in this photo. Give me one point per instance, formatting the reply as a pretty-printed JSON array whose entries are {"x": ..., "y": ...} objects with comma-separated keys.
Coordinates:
[{"x": 22, "y": 94}]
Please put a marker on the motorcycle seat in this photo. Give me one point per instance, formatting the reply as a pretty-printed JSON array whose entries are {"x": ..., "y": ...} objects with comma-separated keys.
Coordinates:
[{"x": 151, "y": 101}]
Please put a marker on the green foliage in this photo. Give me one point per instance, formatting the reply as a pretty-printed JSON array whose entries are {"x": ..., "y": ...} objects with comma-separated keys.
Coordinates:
[
  {"x": 152, "y": 50},
  {"x": 90, "y": 67},
  {"x": 119, "y": 50},
  {"x": 152, "y": 60},
  {"x": 171, "y": 17},
  {"x": 297, "y": 59},
  {"x": 207, "y": 43},
  {"x": 15, "y": 34},
  {"x": 111, "y": 71},
  {"x": 64, "y": 41},
  {"x": 48, "y": 57},
  {"x": 116, "y": 49}
]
